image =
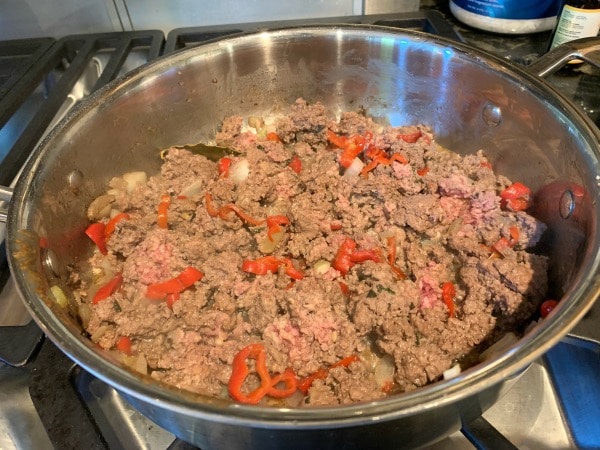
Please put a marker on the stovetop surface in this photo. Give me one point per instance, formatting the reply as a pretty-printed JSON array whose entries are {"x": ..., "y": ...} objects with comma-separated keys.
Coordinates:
[{"x": 40, "y": 402}]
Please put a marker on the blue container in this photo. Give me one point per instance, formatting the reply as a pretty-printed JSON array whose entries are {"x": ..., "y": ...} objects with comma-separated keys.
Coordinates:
[{"x": 507, "y": 16}]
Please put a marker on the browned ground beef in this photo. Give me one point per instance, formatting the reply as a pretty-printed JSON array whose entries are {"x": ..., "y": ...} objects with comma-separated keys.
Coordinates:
[{"x": 444, "y": 222}]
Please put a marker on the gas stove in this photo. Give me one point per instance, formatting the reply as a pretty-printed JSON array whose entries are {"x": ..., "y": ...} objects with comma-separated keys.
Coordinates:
[{"x": 47, "y": 401}]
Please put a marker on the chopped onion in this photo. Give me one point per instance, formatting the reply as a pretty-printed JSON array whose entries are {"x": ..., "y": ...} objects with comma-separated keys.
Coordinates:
[
  {"x": 354, "y": 169},
  {"x": 100, "y": 207},
  {"x": 267, "y": 245},
  {"x": 384, "y": 370},
  {"x": 455, "y": 226},
  {"x": 498, "y": 347},
  {"x": 115, "y": 192},
  {"x": 239, "y": 170},
  {"x": 321, "y": 267},
  {"x": 85, "y": 314},
  {"x": 387, "y": 233},
  {"x": 194, "y": 189},
  {"x": 136, "y": 362},
  {"x": 59, "y": 296},
  {"x": 118, "y": 184},
  {"x": 452, "y": 372},
  {"x": 114, "y": 212},
  {"x": 369, "y": 358},
  {"x": 132, "y": 179},
  {"x": 100, "y": 331},
  {"x": 256, "y": 122},
  {"x": 261, "y": 133}
]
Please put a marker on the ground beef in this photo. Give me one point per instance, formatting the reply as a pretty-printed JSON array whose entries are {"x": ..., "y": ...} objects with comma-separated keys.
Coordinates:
[{"x": 417, "y": 223}]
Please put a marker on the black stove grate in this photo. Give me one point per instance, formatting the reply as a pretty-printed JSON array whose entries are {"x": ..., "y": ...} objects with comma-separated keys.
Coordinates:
[
  {"x": 427, "y": 21},
  {"x": 17, "y": 58},
  {"x": 58, "y": 68}
]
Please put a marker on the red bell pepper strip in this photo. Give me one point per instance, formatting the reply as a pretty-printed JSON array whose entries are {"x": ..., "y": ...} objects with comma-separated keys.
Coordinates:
[
  {"x": 423, "y": 171},
  {"x": 305, "y": 383},
  {"x": 410, "y": 138},
  {"x": 265, "y": 264},
  {"x": 351, "y": 146},
  {"x": 379, "y": 157},
  {"x": 273, "y": 137},
  {"x": 96, "y": 233},
  {"x": 516, "y": 197},
  {"x": 124, "y": 345},
  {"x": 336, "y": 139},
  {"x": 391, "y": 242},
  {"x": 261, "y": 266},
  {"x": 500, "y": 246},
  {"x": 158, "y": 291},
  {"x": 108, "y": 289},
  {"x": 288, "y": 377},
  {"x": 112, "y": 223},
  {"x": 295, "y": 164},
  {"x": 163, "y": 207},
  {"x": 344, "y": 288},
  {"x": 223, "y": 166},
  {"x": 240, "y": 371},
  {"x": 369, "y": 167},
  {"x": 342, "y": 261},
  {"x": 274, "y": 224},
  {"x": 347, "y": 256},
  {"x": 189, "y": 276},
  {"x": 172, "y": 298},
  {"x": 290, "y": 270},
  {"x": 504, "y": 243},
  {"x": 359, "y": 256},
  {"x": 351, "y": 151},
  {"x": 448, "y": 293},
  {"x": 387, "y": 387},
  {"x": 547, "y": 307},
  {"x": 224, "y": 211},
  {"x": 210, "y": 209},
  {"x": 335, "y": 225},
  {"x": 514, "y": 235}
]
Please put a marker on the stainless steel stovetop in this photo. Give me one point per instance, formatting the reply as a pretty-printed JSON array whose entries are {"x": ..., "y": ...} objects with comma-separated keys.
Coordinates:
[{"x": 45, "y": 400}]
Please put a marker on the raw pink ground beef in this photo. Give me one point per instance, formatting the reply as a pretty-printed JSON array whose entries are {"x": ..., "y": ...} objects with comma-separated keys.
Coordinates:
[{"x": 443, "y": 222}]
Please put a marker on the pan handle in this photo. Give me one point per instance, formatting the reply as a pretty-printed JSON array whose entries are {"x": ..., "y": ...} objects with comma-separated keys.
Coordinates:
[
  {"x": 5, "y": 195},
  {"x": 586, "y": 49}
]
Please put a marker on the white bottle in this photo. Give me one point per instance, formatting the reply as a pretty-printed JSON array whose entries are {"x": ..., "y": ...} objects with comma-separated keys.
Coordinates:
[{"x": 577, "y": 19}]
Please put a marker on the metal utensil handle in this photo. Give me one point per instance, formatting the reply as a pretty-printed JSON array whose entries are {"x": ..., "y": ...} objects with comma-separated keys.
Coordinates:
[
  {"x": 586, "y": 49},
  {"x": 5, "y": 196}
]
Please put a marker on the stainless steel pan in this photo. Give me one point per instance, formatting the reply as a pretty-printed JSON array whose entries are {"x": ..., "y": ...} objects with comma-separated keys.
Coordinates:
[{"x": 472, "y": 100}]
